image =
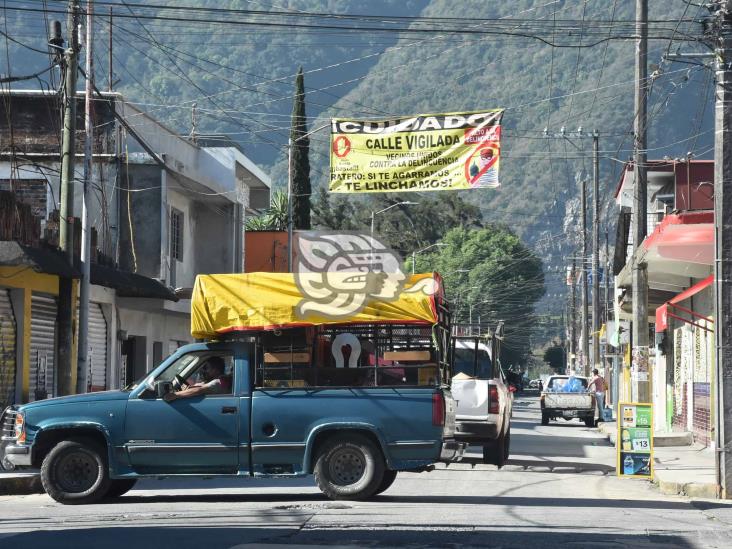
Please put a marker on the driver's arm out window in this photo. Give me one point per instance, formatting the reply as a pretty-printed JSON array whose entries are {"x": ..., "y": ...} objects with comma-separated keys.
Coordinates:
[{"x": 188, "y": 368}]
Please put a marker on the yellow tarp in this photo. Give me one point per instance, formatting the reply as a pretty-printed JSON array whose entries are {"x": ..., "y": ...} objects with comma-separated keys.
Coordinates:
[{"x": 257, "y": 301}]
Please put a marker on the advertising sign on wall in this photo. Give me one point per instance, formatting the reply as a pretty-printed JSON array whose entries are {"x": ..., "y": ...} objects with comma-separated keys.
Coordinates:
[
  {"x": 635, "y": 440},
  {"x": 426, "y": 152}
]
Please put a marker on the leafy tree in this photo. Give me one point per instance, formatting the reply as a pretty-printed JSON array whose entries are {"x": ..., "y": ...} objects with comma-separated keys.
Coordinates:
[
  {"x": 555, "y": 357},
  {"x": 405, "y": 228},
  {"x": 336, "y": 212},
  {"x": 490, "y": 275},
  {"x": 299, "y": 161}
]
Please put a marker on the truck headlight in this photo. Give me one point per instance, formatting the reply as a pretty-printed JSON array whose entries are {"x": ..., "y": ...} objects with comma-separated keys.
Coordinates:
[{"x": 20, "y": 428}]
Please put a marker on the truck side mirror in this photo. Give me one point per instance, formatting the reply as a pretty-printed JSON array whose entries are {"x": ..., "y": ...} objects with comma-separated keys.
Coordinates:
[{"x": 162, "y": 388}]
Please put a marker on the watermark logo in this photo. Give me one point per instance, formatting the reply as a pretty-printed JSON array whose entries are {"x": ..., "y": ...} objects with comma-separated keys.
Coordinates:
[{"x": 338, "y": 273}]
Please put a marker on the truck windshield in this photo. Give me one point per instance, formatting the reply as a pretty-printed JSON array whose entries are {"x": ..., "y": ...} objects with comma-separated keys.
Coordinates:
[{"x": 465, "y": 362}]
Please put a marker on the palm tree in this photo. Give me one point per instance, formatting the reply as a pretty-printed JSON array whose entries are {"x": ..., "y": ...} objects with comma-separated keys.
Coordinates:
[{"x": 273, "y": 218}]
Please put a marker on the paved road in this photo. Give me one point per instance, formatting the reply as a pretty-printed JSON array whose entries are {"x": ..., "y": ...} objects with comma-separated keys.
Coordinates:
[{"x": 559, "y": 490}]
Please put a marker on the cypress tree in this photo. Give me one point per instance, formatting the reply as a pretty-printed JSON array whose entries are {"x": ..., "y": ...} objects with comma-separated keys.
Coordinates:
[{"x": 300, "y": 161}]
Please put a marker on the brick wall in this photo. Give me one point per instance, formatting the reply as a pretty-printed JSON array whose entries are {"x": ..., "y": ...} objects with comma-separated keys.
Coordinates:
[
  {"x": 28, "y": 191},
  {"x": 701, "y": 421}
]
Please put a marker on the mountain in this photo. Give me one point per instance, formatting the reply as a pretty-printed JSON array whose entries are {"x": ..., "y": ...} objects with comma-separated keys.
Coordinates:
[{"x": 241, "y": 78}]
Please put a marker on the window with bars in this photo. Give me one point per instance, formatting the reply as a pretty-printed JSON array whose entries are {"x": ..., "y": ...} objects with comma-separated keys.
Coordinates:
[{"x": 176, "y": 234}]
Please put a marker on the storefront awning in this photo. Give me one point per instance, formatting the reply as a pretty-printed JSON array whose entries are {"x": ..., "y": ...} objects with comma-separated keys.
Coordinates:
[
  {"x": 40, "y": 260},
  {"x": 129, "y": 284},
  {"x": 662, "y": 312},
  {"x": 687, "y": 237}
]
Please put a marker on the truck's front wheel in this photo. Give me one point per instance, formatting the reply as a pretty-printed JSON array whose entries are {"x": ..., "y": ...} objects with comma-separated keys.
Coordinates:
[
  {"x": 75, "y": 472},
  {"x": 349, "y": 467}
]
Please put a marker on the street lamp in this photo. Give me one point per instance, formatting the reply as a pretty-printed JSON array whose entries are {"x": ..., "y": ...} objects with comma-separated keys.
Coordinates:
[
  {"x": 290, "y": 142},
  {"x": 414, "y": 254}
]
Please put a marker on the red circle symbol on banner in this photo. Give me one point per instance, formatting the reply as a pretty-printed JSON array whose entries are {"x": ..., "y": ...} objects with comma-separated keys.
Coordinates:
[{"x": 341, "y": 146}]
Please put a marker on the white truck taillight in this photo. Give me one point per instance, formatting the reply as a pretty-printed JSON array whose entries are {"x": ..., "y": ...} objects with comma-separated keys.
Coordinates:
[
  {"x": 438, "y": 409},
  {"x": 493, "y": 404}
]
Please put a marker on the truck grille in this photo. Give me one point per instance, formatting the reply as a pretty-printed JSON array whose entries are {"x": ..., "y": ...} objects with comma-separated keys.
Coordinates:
[{"x": 7, "y": 423}]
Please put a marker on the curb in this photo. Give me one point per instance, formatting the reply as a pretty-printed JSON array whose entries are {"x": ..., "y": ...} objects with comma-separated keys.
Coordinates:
[
  {"x": 15, "y": 485},
  {"x": 692, "y": 489}
]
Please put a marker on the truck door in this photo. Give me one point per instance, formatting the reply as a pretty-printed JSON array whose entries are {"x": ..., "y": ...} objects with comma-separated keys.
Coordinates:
[{"x": 197, "y": 434}]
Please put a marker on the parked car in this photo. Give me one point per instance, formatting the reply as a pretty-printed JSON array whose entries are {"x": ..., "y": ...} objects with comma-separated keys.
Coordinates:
[
  {"x": 484, "y": 398},
  {"x": 556, "y": 401},
  {"x": 286, "y": 405}
]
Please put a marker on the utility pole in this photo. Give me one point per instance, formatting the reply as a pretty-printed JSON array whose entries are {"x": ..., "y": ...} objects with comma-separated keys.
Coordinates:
[
  {"x": 83, "y": 372},
  {"x": 583, "y": 275},
  {"x": 606, "y": 305},
  {"x": 595, "y": 250},
  {"x": 723, "y": 246},
  {"x": 640, "y": 364},
  {"x": 66, "y": 214},
  {"x": 573, "y": 314},
  {"x": 110, "y": 76}
]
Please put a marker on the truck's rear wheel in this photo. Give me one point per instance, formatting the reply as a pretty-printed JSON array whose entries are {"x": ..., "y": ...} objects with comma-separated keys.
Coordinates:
[
  {"x": 349, "y": 467},
  {"x": 119, "y": 487},
  {"x": 75, "y": 472},
  {"x": 590, "y": 421},
  {"x": 507, "y": 444},
  {"x": 387, "y": 481},
  {"x": 496, "y": 453}
]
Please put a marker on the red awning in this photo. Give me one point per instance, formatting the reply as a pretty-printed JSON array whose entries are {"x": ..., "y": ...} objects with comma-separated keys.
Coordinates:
[
  {"x": 662, "y": 313},
  {"x": 684, "y": 237}
]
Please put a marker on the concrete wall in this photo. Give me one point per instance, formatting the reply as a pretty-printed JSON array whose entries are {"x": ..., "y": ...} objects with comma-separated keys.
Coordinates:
[
  {"x": 143, "y": 317},
  {"x": 266, "y": 251},
  {"x": 140, "y": 243},
  {"x": 45, "y": 196}
]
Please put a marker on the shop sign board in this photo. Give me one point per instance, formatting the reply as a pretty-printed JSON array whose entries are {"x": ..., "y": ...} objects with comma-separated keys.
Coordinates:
[{"x": 635, "y": 440}]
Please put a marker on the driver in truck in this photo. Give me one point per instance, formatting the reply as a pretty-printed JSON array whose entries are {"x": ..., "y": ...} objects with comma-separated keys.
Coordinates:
[{"x": 214, "y": 381}]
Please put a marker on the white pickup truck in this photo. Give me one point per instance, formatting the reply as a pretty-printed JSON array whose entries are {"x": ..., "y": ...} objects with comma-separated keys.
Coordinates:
[
  {"x": 484, "y": 398},
  {"x": 557, "y": 402}
]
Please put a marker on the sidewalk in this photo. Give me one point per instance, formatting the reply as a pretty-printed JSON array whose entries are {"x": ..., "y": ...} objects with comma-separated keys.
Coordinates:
[
  {"x": 15, "y": 483},
  {"x": 679, "y": 467}
]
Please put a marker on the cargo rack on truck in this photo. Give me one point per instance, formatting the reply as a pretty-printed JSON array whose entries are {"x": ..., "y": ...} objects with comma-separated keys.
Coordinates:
[{"x": 389, "y": 343}]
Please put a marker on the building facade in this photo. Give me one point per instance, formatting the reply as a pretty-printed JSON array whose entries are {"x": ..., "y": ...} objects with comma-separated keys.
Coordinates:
[
  {"x": 163, "y": 209},
  {"x": 678, "y": 253}
]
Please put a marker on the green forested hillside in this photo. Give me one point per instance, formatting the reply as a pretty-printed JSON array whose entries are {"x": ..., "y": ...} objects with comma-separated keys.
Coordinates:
[{"x": 240, "y": 78}]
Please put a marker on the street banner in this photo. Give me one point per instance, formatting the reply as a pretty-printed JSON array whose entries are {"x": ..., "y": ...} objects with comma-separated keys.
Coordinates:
[
  {"x": 635, "y": 440},
  {"x": 426, "y": 152}
]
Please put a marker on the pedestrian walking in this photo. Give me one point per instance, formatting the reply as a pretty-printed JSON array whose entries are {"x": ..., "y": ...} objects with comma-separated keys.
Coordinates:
[{"x": 599, "y": 385}]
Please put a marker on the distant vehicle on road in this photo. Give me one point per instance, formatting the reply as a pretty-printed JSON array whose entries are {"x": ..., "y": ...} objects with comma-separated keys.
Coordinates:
[
  {"x": 558, "y": 401},
  {"x": 534, "y": 383},
  {"x": 484, "y": 398}
]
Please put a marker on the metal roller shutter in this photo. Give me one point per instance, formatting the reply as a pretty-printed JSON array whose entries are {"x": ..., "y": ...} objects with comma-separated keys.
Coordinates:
[
  {"x": 42, "y": 347},
  {"x": 97, "y": 380},
  {"x": 8, "y": 336}
]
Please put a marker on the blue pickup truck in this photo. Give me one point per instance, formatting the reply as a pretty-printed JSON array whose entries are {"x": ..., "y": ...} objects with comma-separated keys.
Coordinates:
[{"x": 350, "y": 404}]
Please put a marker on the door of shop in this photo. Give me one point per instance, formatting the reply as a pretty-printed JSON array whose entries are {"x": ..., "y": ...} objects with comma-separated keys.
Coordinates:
[
  {"x": 8, "y": 335},
  {"x": 43, "y": 347},
  {"x": 98, "y": 357}
]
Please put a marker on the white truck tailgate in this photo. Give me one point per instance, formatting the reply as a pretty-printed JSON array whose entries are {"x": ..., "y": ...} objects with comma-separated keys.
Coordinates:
[
  {"x": 568, "y": 400},
  {"x": 472, "y": 398}
]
